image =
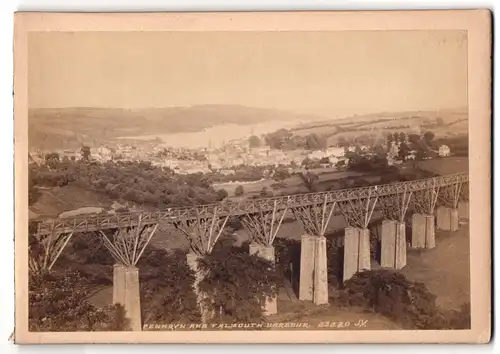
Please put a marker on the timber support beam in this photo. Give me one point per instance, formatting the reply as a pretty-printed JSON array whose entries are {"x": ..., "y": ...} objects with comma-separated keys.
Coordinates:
[
  {"x": 357, "y": 214},
  {"x": 127, "y": 245},
  {"x": 423, "y": 220},
  {"x": 263, "y": 228},
  {"x": 43, "y": 251},
  {"x": 448, "y": 211}
]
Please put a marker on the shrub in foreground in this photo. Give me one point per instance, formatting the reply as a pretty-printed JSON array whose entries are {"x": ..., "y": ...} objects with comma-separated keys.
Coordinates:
[
  {"x": 58, "y": 303},
  {"x": 410, "y": 304},
  {"x": 167, "y": 294},
  {"x": 236, "y": 284}
]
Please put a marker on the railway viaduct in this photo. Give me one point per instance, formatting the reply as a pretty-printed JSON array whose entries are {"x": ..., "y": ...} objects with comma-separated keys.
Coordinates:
[{"x": 431, "y": 202}]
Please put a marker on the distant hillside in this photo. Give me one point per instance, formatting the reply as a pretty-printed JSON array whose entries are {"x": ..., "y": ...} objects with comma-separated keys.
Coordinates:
[
  {"x": 70, "y": 127},
  {"x": 442, "y": 123}
]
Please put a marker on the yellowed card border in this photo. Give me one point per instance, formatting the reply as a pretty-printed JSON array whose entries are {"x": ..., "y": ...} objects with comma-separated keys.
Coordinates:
[{"x": 477, "y": 23}]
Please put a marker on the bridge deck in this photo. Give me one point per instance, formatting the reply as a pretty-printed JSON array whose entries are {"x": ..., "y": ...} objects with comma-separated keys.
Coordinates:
[{"x": 120, "y": 220}]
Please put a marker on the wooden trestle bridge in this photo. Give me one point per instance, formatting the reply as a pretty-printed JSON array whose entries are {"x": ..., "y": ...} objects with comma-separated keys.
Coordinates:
[
  {"x": 248, "y": 206},
  {"x": 126, "y": 235}
]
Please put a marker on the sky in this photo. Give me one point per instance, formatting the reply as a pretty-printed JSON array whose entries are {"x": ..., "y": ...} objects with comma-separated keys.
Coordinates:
[{"x": 327, "y": 73}]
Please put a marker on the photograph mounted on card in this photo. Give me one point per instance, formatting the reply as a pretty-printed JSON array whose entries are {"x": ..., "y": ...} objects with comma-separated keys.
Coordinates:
[{"x": 293, "y": 177}]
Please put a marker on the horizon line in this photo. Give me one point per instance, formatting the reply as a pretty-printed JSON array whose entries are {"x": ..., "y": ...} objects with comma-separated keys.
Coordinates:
[{"x": 322, "y": 115}]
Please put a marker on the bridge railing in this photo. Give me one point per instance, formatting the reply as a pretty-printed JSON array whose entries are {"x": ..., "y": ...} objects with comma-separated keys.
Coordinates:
[{"x": 249, "y": 206}]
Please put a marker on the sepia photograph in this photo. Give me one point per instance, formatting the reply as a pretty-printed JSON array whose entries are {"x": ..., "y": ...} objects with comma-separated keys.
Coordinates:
[{"x": 270, "y": 180}]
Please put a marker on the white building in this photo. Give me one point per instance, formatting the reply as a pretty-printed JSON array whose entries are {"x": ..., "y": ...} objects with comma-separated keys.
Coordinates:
[
  {"x": 444, "y": 150},
  {"x": 335, "y": 152}
]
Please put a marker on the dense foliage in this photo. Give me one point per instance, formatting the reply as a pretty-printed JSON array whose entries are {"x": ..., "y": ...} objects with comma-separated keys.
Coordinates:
[
  {"x": 236, "y": 284},
  {"x": 359, "y": 162},
  {"x": 167, "y": 294},
  {"x": 410, "y": 304},
  {"x": 58, "y": 303},
  {"x": 285, "y": 140},
  {"x": 137, "y": 182}
]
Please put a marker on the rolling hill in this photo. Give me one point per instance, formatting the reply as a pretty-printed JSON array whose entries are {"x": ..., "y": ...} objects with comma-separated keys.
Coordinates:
[
  {"x": 442, "y": 123},
  {"x": 70, "y": 127}
]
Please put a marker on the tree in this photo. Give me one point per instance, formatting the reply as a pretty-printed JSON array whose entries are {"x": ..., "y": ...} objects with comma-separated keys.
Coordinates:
[
  {"x": 278, "y": 139},
  {"x": 52, "y": 159},
  {"x": 414, "y": 138},
  {"x": 402, "y": 137},
  {"x": 281, "y": 174},
  {"x": 314, "y": 142},
  {"x": 428, "y": 137},
  {"x": 222, "y": 194},
  {"x": 239, "y": 191},
  {"x": 254, "y": 141},
  {"x": 403, "y": 151},
  {"x": 85, "y": 151},
  {"x": 310, "y": 180},
  {"x": 439, "y": 121}
]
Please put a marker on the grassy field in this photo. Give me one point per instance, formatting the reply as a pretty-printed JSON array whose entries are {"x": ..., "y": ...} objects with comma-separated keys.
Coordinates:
[
  {"x": 445, "y": 165},
  {"x": 292, "y": 185},
  {"x": 444, "y": 269}
]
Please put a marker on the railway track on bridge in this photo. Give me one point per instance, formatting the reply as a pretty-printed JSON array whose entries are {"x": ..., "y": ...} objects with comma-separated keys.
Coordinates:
[{"x": 239, "y": 208}]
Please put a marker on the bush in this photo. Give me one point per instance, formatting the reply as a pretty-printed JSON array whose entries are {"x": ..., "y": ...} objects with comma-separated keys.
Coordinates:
[
  {"x": 222, "y": 194},
  {"x": 167, "y": 293},
  {"x": 239, "y": 191},
  {"x": 389, "y": 293},
  {"x": 58, "y": 303},
  {"x": 460, "y": 319},
  {"x": 236, "y": 284}
]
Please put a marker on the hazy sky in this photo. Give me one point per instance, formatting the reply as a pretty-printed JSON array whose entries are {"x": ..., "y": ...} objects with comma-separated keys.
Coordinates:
[{"x": 331, "y": 73}]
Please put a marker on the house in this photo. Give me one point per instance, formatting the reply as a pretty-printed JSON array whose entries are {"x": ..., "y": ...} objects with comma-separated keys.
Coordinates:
[
  {"x": 316, "y": 155},
  {"x": 334, "y": 159},
  {"x": 444, "y": 150},
  {"x": 227, "y": 172},
  {"x": 335, "y": 152}
]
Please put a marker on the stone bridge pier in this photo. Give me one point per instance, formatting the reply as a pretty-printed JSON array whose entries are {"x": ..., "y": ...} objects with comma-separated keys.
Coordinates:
[
  {"x": 450, "y": 198},
  {"x": 423, "y": 220},
  {"x": 263, "y": 227},
  {"x": 127, "y": 245},
  {"x": 202, "y": 234},
  {"x": 357, "y": 214},
  {"x": 393, "y": 229},
  {"x": 313, "y": 257}
]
